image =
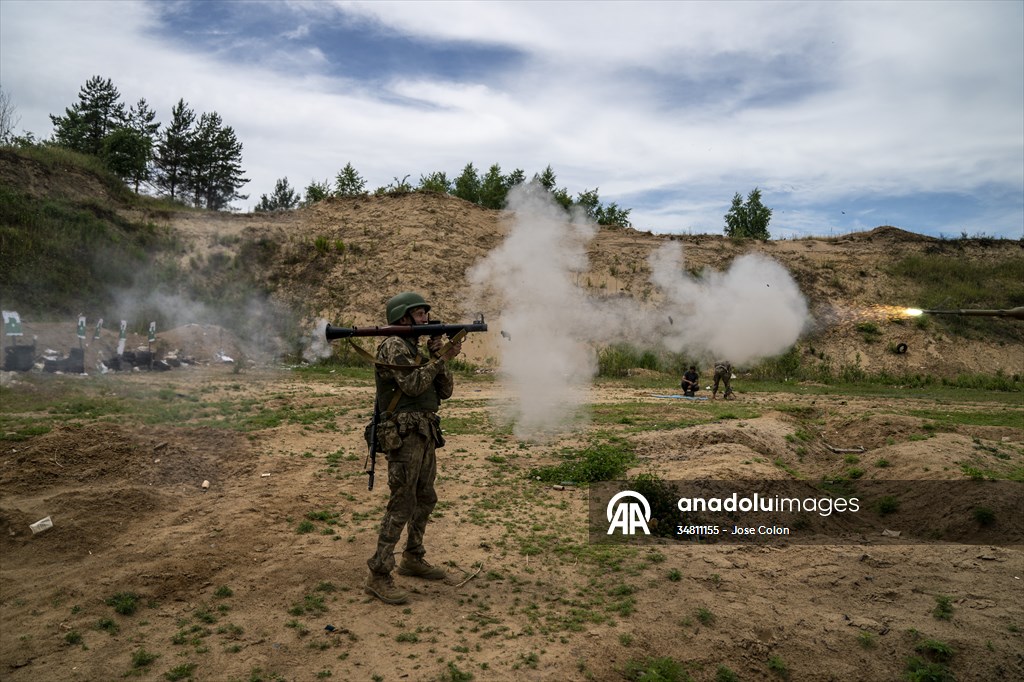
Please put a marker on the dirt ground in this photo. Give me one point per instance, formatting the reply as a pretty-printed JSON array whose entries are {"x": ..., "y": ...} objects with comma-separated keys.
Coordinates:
[{"x": 228, "y": 586}]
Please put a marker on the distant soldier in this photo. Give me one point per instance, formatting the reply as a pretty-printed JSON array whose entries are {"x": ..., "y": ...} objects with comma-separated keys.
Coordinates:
[
  {"x": 691, "y": 382},
  {"x": 723, "y": 373},
  {"x": 410, "y": 387}
]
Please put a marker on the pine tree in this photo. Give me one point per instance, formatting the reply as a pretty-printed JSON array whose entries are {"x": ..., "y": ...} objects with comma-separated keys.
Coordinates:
[
  {"x": 547, "y": 179},
  {"x": 349, "y": 183},
  {"x": 213, "y": 164},
  {"x": 494, "y": 188},
  {"x": 172, "y": 151},
  {"x": 516, "y": 177},
  {"x": 589, "y": 202},
  {"x": 97, "y": 113},
  {"x": 142, "y": 120},
  {"x": 127, "y": 152},
  {"x": 316, "y": 191},
  {"x": 282, "y": 199},
  {"x": 748, "y": 220},
  {"x": 467, "y": 185}
]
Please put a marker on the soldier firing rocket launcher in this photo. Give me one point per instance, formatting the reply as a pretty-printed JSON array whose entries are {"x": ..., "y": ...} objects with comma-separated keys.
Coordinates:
[
  {"x": 455, "y": 333},
  {"x": 1015, "y": 313}
]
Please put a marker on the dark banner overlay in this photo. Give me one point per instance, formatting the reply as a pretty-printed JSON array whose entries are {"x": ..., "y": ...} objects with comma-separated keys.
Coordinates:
[{"x": 846, "y": 512}]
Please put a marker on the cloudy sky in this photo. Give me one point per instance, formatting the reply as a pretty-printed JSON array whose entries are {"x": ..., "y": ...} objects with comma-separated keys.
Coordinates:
[{"x": 847, "y": 115}]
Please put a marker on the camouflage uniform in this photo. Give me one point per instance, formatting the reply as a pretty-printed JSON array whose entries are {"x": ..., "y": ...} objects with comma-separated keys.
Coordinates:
[
  {"x": 408, "y": 438},
  {"x": 723, "y": 373}
]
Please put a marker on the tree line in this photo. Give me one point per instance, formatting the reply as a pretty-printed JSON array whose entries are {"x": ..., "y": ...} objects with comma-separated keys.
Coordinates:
[
  {"x": 198, "y": 160},
  {"x": 489, "y": 190},
  {"x": 194, "y": 159}
]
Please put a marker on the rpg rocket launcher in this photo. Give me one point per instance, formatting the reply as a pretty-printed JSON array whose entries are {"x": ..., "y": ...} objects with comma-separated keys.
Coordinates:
[
  {"x": 1013, "y": 313},
  {"x": 432, "y": 328}
]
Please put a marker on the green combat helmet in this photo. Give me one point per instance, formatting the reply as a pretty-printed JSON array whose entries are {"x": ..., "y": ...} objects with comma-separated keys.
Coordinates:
[{"x": 400, "y": 304}]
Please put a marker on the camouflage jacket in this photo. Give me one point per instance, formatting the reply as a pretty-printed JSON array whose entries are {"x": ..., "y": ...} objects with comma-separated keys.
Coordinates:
[{"x": 423, "y": 386}]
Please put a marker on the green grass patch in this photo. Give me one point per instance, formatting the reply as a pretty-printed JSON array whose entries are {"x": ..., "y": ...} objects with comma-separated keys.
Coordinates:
[
  {"x": 987, "y": 417},
  {"x": 605, "y": 459},
  {"x": 656, "y": 669}
]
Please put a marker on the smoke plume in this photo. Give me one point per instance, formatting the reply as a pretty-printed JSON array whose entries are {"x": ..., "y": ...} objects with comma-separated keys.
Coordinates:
[{"x": 753, "y": 310}]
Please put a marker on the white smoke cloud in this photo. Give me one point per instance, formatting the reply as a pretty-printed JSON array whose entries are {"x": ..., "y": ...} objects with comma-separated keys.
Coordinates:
[
  {"x": 532, "y": 274},
  {"x": 316, "y": 346},
  {"x": 753, "y": 310},
  {"x": 258, "y": 324}
]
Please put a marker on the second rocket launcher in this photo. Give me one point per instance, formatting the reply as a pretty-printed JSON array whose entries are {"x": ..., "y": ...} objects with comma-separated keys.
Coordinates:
[{"x": 1015, "y": 313}]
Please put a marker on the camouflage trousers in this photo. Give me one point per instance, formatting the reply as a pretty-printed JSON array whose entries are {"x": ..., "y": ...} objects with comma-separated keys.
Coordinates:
[
  {"x": 411, "y": 473},
  {"x": 724, "y": 377}
]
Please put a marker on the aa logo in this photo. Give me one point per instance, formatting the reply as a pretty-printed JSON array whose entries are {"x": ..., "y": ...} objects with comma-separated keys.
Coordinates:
[{"x": 628, "y": 515}]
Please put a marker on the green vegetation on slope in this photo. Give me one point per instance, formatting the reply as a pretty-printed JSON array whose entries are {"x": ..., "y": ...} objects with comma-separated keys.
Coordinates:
[{"x": 59, "y": 254}]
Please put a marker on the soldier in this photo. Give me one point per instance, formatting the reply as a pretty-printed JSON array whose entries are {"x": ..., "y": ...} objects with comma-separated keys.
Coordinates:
[
  {"x": 723, "y": 372},
  {"x": 410, "y": 388},
  {"x": 691, "y": 382}
]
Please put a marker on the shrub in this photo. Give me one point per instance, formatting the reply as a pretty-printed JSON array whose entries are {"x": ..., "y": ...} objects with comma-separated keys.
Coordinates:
[
  {"x": 597, "y": 462},
  {"x": 984, "y": 516},
  {"x": 651, "y": 669},
  {"x": 124, "y": 603}
]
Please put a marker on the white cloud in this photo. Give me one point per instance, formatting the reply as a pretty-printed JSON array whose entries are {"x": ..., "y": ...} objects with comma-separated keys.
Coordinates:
[{"x": 813, "y": 102}]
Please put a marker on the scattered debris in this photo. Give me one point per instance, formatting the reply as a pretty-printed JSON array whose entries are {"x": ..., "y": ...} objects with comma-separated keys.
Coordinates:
[
  {"x": 891, "y": 533},
  {"x": 41, "y": 525},
  {"x": 206, "y": 485},
  {"x": 74, "y": 363},
  {"x": 480, "y": 568},
  {"x": 840, "y": 451}
]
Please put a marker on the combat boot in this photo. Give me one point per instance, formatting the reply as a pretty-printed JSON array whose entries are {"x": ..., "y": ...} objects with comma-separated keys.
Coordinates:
[
  {"x": 417, "y": 567},
  {"x": 382, "y": 586}
]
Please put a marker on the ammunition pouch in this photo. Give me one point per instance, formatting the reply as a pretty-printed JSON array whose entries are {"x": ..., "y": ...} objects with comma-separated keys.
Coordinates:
[{"x": 388, "y": 438}]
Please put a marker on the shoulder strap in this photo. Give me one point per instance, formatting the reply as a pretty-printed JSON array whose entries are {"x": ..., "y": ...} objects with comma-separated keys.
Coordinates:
[
  {"x": 376, "y": 363},
  {"x": 394, "y": 401}
]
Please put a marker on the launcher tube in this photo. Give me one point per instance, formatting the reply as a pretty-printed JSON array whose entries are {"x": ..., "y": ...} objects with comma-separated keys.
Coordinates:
[
  {"x": 405, "y": 330},
  {"x": 1015, "y": 313}
]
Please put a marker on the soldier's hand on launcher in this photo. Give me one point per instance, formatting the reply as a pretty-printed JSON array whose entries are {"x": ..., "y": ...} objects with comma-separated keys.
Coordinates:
[
  {"x": 434, "y": 345},
  {"x": 453, "y": 351}
]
